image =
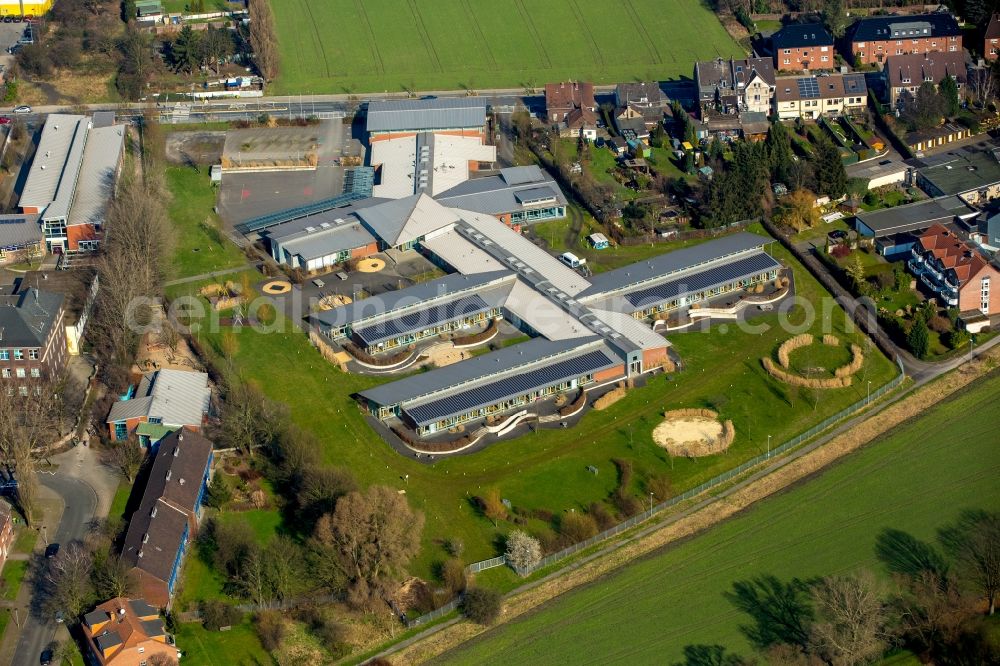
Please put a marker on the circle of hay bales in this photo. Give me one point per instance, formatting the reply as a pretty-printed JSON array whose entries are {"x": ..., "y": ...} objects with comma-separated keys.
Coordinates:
[
  {"x": 842, "y": 376},
  {"x": 370, "y": 265},
  {"x": 693, "y": 433},
  {"x": 275, "y": 287}
]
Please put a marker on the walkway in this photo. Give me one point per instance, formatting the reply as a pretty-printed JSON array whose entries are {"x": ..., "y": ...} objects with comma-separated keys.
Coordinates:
[{"x": 213, "y": 274}]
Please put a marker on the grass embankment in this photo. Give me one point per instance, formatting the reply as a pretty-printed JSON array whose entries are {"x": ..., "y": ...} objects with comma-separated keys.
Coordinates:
[
  {"x": 344, "y": 46},
  {"x": 547, "y": 470},
  {"x": 915, "y": 479}
]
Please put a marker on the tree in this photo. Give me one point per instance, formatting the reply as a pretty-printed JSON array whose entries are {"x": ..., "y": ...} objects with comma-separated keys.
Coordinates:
[
  {"x": 851, "y": 624},
  {"x": 780, "y": 612},
  {"x": 216, "y": 47},
  {"x": 218, "y": 494},
  {"x": 831, "y": 179},
  {"x": 263, "y": 38},
  {"x": 161, "y": 659},
  {"x": 482, "y": 605},
  {"x": 933, "y": 617},
  {"x": 371, "y": 538},
  {"x": 711, "y": 655},
  {"x": 112, "y": 577},
  {"x": 249, "y": 420},
  {"x": 797, "y": 209},
  {"x": 948, "y": 90},
  {"x": 67, "y": 580},
  {"x": 779, "y": 150},
  {"x": 983, "y": 85},
  {"x": 493, "y": 506},
  {"x": 973, "y": 542},
  {"x": 319, "y": 488},
  {"x": 126, "y": 456},
  {"x": 924, "y": 109},
  {"x": 835, "y": 17},
  {"x": 918, "y": 338},
  {"x": 856, "y": 271},
  {"x": 523, "y": 550},
  {"x": 185, "y": 50}
]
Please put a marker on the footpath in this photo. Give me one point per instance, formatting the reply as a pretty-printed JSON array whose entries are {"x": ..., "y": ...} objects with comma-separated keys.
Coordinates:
[{"x": 779, "y": 475}]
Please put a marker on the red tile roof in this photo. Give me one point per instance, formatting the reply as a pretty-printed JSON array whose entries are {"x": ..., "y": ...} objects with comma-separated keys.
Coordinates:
[{"x": 952, "y": 252}]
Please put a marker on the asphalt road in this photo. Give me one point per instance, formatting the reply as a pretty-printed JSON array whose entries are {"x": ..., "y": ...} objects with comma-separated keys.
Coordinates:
[{"x": 80, "y": 508}]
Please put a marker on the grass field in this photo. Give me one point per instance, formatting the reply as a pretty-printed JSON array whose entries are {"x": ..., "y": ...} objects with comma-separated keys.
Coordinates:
[
  {"x": 200, "y": 248},
  {"x": 915, "y": 480},
  {"x": 548, "y": 469},
  {"x": 350, "y": 46},
  {"x": 237, "y": 647}
]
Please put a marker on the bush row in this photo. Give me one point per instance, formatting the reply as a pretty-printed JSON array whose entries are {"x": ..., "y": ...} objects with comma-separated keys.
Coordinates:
[
  {"x": 381, "y": 361},
  {"x": 476, "y": 338}
]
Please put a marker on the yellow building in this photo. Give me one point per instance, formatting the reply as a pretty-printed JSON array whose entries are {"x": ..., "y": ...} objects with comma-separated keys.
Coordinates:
[{"x": 24, "y": 7}]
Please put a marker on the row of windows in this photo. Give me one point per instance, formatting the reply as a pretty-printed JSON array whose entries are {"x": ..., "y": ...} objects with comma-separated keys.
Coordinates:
[
  {"x": 823, "y": 49},
  {"x": 18, "y": 354},
  {"x": 20, "y": 373},
  {"x": 823, "y": 59}
]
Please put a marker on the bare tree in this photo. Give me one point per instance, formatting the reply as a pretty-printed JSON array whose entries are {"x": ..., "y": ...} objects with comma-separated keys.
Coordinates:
[
  {"x": 372, "y": 537},
  {"x": 249, "y": 419},
  {"x": 126, "y": 456},
  {"x": 112, "y": 577},
  {"x": 982, "y": 85},
  {"x": 974, "y": 544},
  {"x": 68, "y": 579},
  {"x": 161, "y": 659},
  {"x": 851, "y": 624},
  {"x": 263, "y": 38}
]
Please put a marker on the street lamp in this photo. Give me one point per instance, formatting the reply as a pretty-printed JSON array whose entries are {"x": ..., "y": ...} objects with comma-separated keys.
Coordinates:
[
  {"x": 650, "y": 504},
  {"x": 768, "y": 446},
  {"x": 869, "y": 392}
]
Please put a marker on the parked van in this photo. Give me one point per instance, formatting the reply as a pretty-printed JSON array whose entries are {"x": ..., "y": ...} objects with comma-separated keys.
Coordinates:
[{"x": 571, "y": 260}]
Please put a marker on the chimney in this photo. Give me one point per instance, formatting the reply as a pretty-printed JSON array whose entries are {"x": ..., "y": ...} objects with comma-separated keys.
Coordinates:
[{"x": 182, "y": 482}]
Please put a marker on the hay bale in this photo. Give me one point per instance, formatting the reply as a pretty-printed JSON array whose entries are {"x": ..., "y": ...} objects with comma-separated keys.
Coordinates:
[
  {"x": 609, "y": 398},
  {"x": 831, "y": 340}
]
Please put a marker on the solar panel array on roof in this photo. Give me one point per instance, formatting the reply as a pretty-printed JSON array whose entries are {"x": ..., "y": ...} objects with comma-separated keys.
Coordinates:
[
  {"x": 422, "y": 319},
  {"x": 808, "y": 87},
  {"x": 695, "y": 282},
  {"x": 509, "y": 387}
]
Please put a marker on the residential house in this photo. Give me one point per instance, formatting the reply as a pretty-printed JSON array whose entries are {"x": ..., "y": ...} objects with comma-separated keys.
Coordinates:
[
  {"x": 126, "y": 632},
  {"x": 802, "y": 47},
  {"x": 991, "y": 38},
  {"x": 734, "y": 86},
  {"x": 905, "y": 74},
  {"x": 958, "y": 275},
  {"x": 570, "y": 106},
  {"x": 79, "y": 287},
  {"x": 873, "y": 40},
  {"x": 639, "y": 107},
  {"x": 169, "y": 513},
  {"x": 164, "y": 401},
  {"x": 6, "y": 531},
  {"x": 32, "y": 336},
  {"x": 814, "y": 96}
]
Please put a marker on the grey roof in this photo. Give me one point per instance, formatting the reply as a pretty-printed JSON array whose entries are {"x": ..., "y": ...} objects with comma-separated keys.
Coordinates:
[
  {"x": 960, "y": 170},
  {"x": 58, "y": 137},
  {"x": 66, "y": 190},
  {"x": 401, "y": 221},
  {"x": 437, "y": 113},
  {"x": 495, "y": 195},
  {"x": 855, "y": 84},
  {"x": 19, "y": 230},
  {"x": 97, "y": 175},
  {"x": 292, "y": 228},
  {"x": 795, "y": 35},
  {"x": 103, "y": 119},
  {"x": 142, "y": 608},
  {"x": 108, "y": 639},
  {"x": 167, "y": 527},
  {"x": 411, "y": 298},
  {"x": 640, "y": 93},
  {"x": 519, "y": 175},
  {"x": 458, "y": 376},
  {"x": 665, "y": 265},
  {"x": 420, "y": 320},
  {"x": 912, "y": 217},
  {"x": 27, "y": 317},
  {"x": 177, "y": 397},
  {"x": 323, "y": 241},
  {"x": 511, "y": 385},
  {"x": 881, "y": 28},
  {"x": 96, "y": 617},
  {"x": 153, "y": 627}
]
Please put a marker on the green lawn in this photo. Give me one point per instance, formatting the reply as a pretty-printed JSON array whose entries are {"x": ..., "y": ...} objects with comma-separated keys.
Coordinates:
[
  {"x": 548, "y": 469},
  {"x": 12, "y": 575},
  {"x": 349, "y": 46},
  {"x": 25, "y": 540},
  {"x": 200, "y": 247},
  {"x": 120, "y": 500},
  {"x": 827, "y": 525},
  {"x": 237, "y": 647}
]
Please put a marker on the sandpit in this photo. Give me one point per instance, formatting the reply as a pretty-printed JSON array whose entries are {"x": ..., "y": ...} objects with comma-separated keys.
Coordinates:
[
  {"x": 370, "y": 265},
  {"x": 277, "y": 287},
  {"x": 333, "y": 301},
  {"x": 445, "y": 354},
  {"x": 693, "y": 433}
]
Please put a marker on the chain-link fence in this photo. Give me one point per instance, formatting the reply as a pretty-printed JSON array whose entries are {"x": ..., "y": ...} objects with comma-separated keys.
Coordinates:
[{"x": 673, "y": 501}]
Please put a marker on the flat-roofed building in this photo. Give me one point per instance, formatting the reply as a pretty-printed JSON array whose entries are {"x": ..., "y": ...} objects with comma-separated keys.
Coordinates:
[
  {"x": 517, "y": 196},
  {"x": 969, "y": 173},
  {"x": 427, "y": 163},
  {"x": 459, "y": 116}
]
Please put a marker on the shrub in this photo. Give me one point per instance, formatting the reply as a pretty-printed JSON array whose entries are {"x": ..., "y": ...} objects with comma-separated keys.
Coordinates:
[
  {"x": 523, "y": 550},
  {"x": 453, "y": 575},
  {"x": 660, "y": 486},
  {"x": 601, "y": 515},
  {"x": 939, "y": 324},
  {"x": 840, "y": 250},
  {"x": 956, "y": 338},
  {"x": 577, "y": 526},
  {"x": 266, "y": 314},
  {"x": 627, "y": 505},
  {"x": 218, "y": 614},
  {"x": 454, "y": 547},
  {"x": 271, "y": 629},
  {"x": 482, "y": 605}
]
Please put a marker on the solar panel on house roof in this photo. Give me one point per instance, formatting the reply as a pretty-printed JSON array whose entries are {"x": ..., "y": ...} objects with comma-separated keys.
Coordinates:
[
  {"x": 808, "y": 88},
  {"x": 498, "y": 391},
  {"x": 421, "y": 320},
  {"x": 700, "y": 281}
]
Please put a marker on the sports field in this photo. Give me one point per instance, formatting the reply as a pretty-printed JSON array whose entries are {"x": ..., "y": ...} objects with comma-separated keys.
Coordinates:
[
  {"x": 356, "y": 46},
  {"x": 915, "y": 480}
]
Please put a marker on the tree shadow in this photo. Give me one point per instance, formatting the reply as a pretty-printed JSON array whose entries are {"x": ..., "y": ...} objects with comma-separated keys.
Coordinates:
[
  {"x": 780, "y": 612},
  {"x": 902, "y": 553}
]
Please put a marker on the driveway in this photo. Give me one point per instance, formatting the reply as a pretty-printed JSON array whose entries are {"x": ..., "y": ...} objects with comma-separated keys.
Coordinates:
[{"x": 86, "y": 489}]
